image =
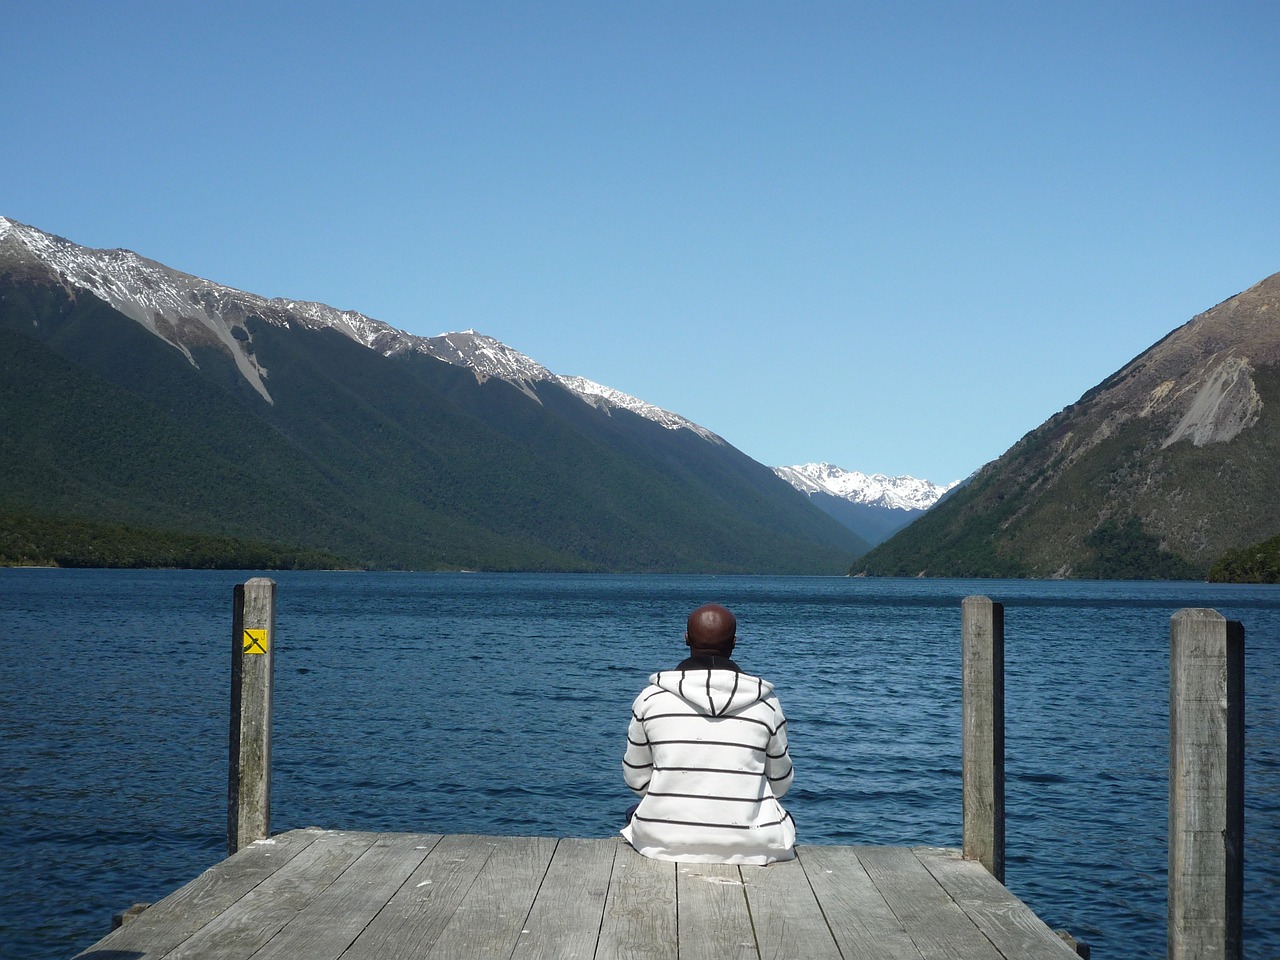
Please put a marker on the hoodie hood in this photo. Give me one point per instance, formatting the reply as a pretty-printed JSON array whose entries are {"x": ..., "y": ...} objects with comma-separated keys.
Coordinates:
[{"x": 716, "y": 693}]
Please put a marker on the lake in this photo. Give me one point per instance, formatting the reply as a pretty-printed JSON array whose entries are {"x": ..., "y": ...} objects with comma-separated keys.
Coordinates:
[{"x": 498, "y": 704}]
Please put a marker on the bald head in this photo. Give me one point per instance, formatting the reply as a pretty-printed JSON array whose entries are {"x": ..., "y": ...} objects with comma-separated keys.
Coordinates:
[{"x": 711, "y": 629}]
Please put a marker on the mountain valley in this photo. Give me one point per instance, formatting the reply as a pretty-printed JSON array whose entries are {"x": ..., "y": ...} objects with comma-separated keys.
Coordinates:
[
  {"x": 154, "y": 417},
  {"x": 139, "y": 396}
]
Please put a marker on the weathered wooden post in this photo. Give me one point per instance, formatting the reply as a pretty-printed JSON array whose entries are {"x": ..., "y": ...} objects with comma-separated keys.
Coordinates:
[
  {"x": 252, "y": 667},
  {"x": 982, "y": 629},
  {"x": 1206, "y": 786}
]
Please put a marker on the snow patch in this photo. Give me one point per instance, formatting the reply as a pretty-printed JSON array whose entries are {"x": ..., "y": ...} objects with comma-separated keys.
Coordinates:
[
  {"x": 606, "y": 398},
  {"x": 178, "y": 308},
  {"x": 877, "y": 489},
  {"x": 185, "y": 311}
]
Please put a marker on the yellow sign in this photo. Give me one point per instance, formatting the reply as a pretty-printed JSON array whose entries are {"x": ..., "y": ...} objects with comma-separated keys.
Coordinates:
[{"x": 255, "y": 641}]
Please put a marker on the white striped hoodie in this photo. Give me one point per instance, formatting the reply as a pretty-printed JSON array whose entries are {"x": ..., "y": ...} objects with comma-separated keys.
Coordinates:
[{"x": 707, "y": 752}]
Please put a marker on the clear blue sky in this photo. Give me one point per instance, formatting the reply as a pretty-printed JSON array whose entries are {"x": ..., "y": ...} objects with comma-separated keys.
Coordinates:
[{"x": 892, "y": 236}]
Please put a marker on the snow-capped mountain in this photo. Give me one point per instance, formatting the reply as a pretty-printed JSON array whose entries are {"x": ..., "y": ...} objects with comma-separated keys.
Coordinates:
[
  {"x": 180, "y": 407},
  {"x": 874, "y": 507},
  {"x": 605, "y": 398},
  {"x": 185, "y": 311},
  {"x": 178, "y": 308},
  {"x": 877, "y": 490}
]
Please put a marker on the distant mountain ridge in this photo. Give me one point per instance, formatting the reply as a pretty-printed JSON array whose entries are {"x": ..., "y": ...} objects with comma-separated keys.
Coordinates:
[
  {"x": 1156, "y": 472},
  {"x": 873, "y": 506},
  {"x": 138, "y": 394},
  {"x": 877, "y": 489},
  {"x": 182, "y": 310}
]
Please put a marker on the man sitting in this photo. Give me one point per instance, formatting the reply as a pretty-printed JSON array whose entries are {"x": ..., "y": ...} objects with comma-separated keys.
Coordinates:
[{"x": 707, "y": 752}]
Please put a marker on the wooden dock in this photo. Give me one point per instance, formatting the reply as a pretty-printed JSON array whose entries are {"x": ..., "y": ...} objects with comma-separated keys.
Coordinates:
[{"x": 333, "y": 895}]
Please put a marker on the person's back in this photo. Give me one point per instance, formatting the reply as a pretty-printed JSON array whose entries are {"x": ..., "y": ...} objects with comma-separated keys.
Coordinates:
[{"x": 707, "y": 752}]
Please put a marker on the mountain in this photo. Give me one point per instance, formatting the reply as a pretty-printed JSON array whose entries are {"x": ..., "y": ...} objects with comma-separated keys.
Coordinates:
[
  {"x": 187, "y": 311},
  {"x": 138, "y": 395},
  {"x": 1156, "y": 472},
  {"x": 875, "y": 507}
]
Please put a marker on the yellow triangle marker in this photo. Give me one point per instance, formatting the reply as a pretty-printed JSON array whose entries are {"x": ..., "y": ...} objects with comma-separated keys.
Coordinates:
[{"x": 255, "y": 641}]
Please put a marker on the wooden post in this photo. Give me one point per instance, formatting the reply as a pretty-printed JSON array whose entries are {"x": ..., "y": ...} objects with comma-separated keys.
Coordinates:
[
  {"x": 982, "y": 632},
  {"x": 252, "y": 666},
  {"x": 1206, "y": 786}
]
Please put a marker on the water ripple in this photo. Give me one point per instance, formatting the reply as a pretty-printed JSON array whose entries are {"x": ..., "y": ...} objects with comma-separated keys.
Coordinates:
[{"x": 498, "y": 704}]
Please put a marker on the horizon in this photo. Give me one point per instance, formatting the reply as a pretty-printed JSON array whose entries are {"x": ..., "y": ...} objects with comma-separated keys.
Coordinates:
[{"x": 889, "y": 240}]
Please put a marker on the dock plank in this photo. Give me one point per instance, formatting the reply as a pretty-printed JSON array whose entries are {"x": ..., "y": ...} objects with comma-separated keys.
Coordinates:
[
  {"x": 935, "y": 923},
  {"x": 487, "y": 924},
  {"x": 863, "y": 925},
  {"x": 712, "y": 920},
  {"x": 640, "y": 914},
  {"x": 565, "y": 921},
  {"x": 1008, "y": 923},
  {"x": 183, "y": 913},
  {"x": 418, "y": 912},
  {"x": 264, "y": 911},
  {"x": 785, "y": 913},
  {"x": 327, "y": 895},
  {"x": 325, "y": 927}
]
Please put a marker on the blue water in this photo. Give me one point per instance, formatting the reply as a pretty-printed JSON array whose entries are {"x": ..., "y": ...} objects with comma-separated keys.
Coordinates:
[{"x": 498, "y": 703}]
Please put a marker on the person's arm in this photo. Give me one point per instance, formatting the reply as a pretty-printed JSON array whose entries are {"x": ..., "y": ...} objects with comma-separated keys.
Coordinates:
[
  {"x": 777, "y": 762},
  {"x": 637, "y": 762}
]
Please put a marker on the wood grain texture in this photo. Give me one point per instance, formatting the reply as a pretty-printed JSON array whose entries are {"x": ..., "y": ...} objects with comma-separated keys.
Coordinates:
[
  {"x": 1007, "y": 922},
  {"x": 564, "y": 923},
  {"x": 982, "y": 655},
  {"x": 937, "y": 926},
  {"x": 712, "y": 919},
  {"x": 861, "y": 921},
  {"x": 183, "y": 913},
  {"x": 640, "y": 915},
  {"x": 331, "y": 921},
  {"x": 329, "y": 895},
  {"x": 418, "y": 912},
  {"x": 487, "y": 924},
  {"x": 266, "y": 909},
  {"x": 788, "y": 921},
  {"x": 252, "y": 676},
  {"x": 1206, "y": 786}
]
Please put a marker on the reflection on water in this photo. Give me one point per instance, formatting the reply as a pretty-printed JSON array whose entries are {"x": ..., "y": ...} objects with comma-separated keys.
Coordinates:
[{"x": 478, "y": 703}]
